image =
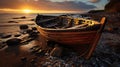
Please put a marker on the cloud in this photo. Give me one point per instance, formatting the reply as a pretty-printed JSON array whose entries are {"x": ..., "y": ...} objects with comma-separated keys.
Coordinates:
[
  {"x": 69, "y": 5},
  {"x": 94, "y": 1},
  {"x": 61, "y": 0},
  {"x": 14, "y": 4},
  {"x": 65, "y": 5}
]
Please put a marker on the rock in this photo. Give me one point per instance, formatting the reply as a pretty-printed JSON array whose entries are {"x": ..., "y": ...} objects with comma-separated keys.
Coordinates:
[
  {"x": 35, "y": 49},
  {"x": 115, "y": 28},
  {"x": 29, "y": 31},
  {"x": 33, "y": 34},
  {"x": 51, "y": 43},
  {"x": 115, "y": 46},
  {"x": 17, "y": 35},
  {"x": 23, "y": 59},
  {"x": 33, "y": 61},
  {"x": 32, "y": 19},
  {"x": 34, "y": 28},
  {"x": 2, "y": 45},
  {"x": 23, "y": 17},
  {"x": 13, "y": 41},
  {"x": 36, "y": 31},
  {"x": 1, "y": 34},
  {"x": 6, "y": 35},
  {"x": 15, "y": 18},
  {"x": 24, "y": 37},
  {"x": 12, "y": 22},
  {"x": 115, "y": 64},
  {"x": 49, "y": 65},
  {"x": 109, "y": 30},
  {"x": 23, "y": 27},
  {"x": 112, "y": 6},
  {"x": 39, "y": 51}
]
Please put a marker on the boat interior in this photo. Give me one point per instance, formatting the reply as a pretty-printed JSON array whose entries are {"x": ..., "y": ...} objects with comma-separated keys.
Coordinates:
[{"x": 67, "y": 22}]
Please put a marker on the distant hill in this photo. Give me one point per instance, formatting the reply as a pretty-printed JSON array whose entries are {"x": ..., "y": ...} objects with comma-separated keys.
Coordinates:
[
  {"x": 95, "y": 11},
  {"x": 113, "y": 6}
]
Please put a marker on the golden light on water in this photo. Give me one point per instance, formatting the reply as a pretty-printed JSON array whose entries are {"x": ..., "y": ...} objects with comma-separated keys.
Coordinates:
[{"x": 27, "y": 11}]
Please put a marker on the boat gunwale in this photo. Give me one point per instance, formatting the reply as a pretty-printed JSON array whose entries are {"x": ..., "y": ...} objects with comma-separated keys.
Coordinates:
[
  {"x": 92, "y": 43},
  {"x": 66, "y": 30},
  {"x": 81, "y": 29}
]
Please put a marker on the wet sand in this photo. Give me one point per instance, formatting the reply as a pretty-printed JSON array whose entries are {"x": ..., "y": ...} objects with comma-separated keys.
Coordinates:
[{"x": 11, "y": 56}]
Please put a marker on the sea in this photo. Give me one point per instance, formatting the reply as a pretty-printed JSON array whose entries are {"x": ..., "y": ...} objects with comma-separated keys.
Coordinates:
[{"x": 9, "y": 23}]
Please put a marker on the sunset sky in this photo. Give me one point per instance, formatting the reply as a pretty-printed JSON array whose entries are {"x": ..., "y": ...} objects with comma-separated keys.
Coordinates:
[{"x": 50, "y": 6}]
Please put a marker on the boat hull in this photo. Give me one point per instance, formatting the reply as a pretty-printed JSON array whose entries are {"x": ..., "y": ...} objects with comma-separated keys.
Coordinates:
[
  {"x": 69, "y": 37},
  {"x": 80, "y": 42},
  {"x": 83, "y": 41}
]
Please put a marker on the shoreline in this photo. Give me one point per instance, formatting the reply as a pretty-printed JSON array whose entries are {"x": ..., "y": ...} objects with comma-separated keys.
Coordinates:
[
  {"x": 107, "y": 52},
  {"x": 15, "y": 24}
]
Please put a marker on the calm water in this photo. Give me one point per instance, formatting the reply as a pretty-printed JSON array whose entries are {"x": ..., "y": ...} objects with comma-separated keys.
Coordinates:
[{"x": 5, "y": 26}]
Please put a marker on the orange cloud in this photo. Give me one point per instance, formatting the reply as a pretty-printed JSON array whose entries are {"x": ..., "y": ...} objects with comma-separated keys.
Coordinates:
[
  {"x": 45, "y": 6},
  {"x": 94, "y": 1},
  {"x": 35, "y": 11}
]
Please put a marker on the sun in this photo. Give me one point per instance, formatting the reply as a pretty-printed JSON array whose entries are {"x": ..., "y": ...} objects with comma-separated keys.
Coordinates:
[{"x": 27, "y": 11}]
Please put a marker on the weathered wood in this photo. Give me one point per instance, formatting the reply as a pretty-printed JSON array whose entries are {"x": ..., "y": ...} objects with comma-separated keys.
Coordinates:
[
  {"x": 56, "y": 51},
  {"x": 78, "y": 26},
  {"x": 97, "y": 37},
  {"x": 83, "y": 42},
  {"x": 42, "y": 21}
]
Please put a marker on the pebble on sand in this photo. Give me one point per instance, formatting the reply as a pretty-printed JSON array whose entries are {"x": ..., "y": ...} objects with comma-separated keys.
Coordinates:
[
  {"x": 17, "y": 35},
  {"x": 13, "y": 41},
  {"x": 6, "y": 35},
  {"x": 22, "y": 17},
  {"x": 12, "y": 22},
  {"x": 23, "y": 27},
  {"x": 34, "y": 28}
]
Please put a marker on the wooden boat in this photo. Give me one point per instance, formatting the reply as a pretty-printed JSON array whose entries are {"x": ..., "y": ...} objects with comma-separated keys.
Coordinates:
[{"x": 82, "y": 39}]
